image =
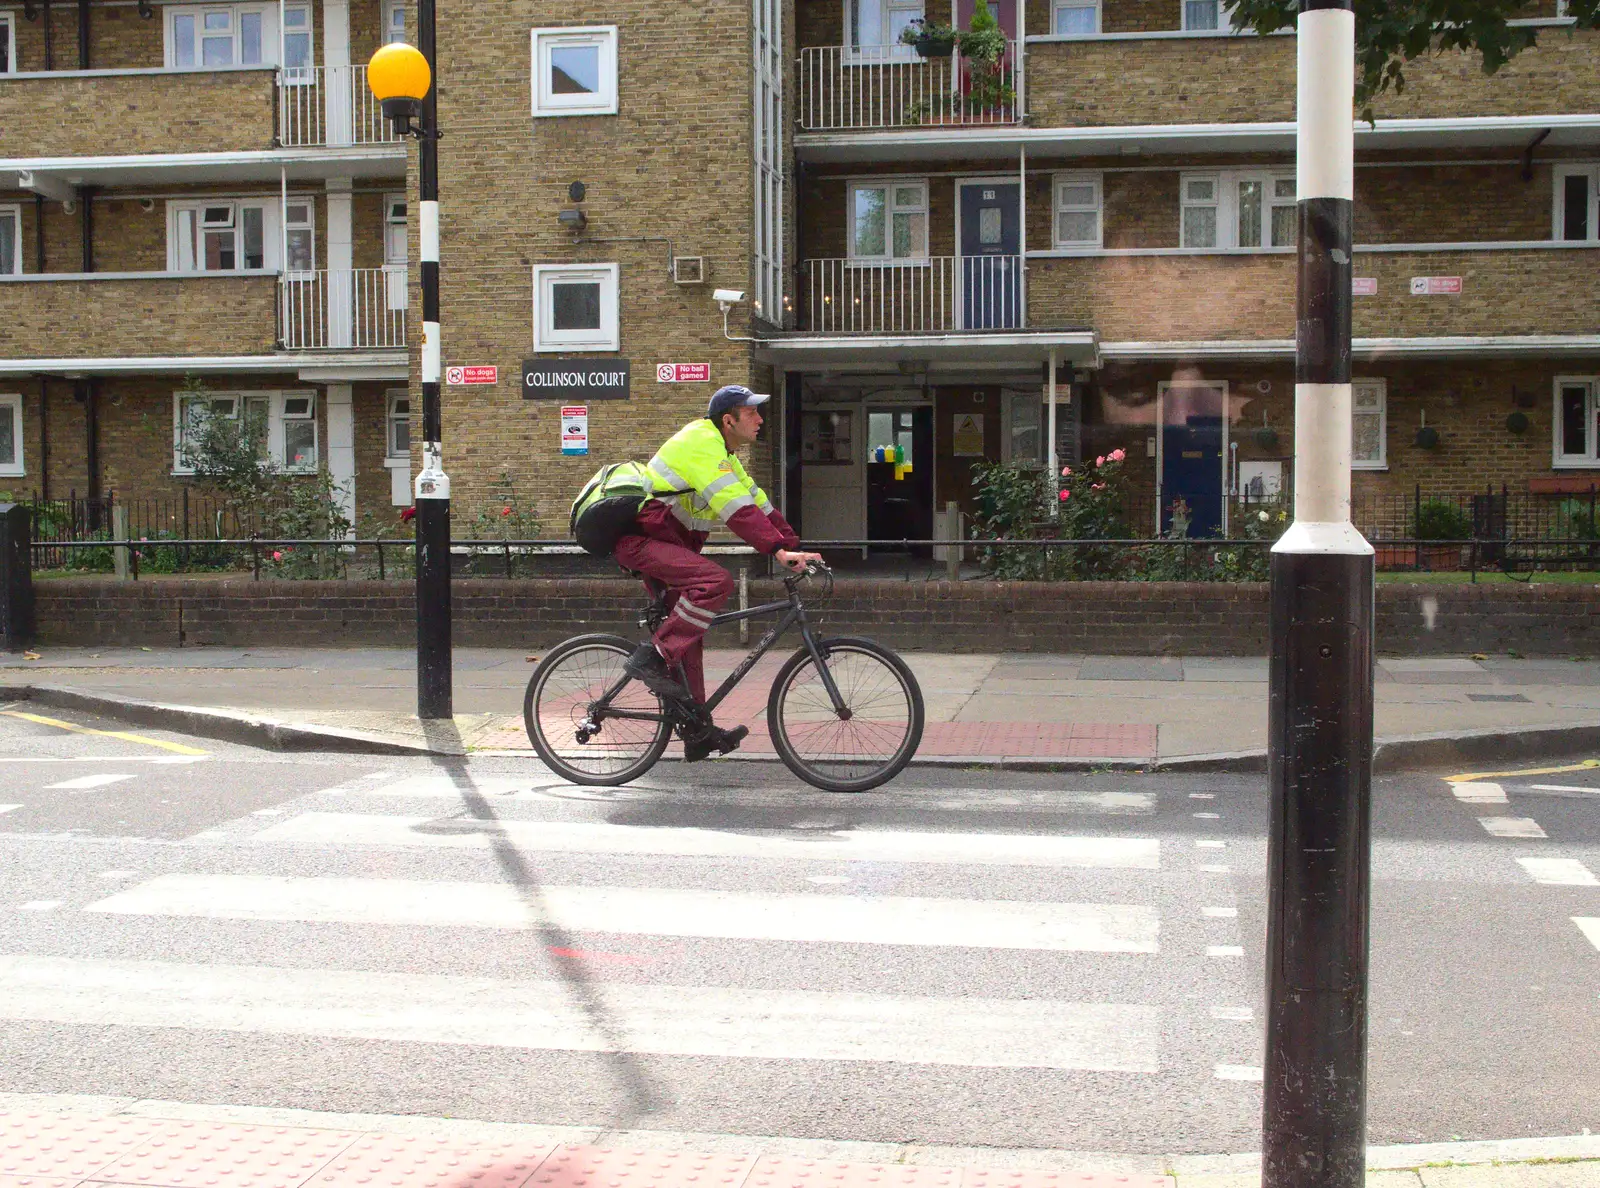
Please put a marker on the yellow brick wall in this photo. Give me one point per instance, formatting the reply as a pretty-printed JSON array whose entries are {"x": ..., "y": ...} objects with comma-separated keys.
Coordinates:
[
  {"x": 155, "y": 317},
  {"x": 172, "y": 113}
]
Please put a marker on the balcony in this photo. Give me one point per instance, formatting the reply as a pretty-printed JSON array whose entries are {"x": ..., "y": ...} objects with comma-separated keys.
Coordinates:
[
  {"x": 843, "y": 88},
  {"x": 931, "y": 295},
  {"x": 149, "y": 315},
  {"x": 327, "y": 106},
  {"x": 1194, "y": 297},
  {"x": 1248, "y": 79},
  {"x": 353, "y": 309}
]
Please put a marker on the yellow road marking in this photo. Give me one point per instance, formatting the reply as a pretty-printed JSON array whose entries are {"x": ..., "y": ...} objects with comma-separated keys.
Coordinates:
[
  {"x": 1495, "y": 775},
  {"x": 122, "y": 734}
]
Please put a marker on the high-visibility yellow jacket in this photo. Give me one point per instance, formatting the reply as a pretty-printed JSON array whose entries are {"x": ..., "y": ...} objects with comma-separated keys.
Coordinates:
[{"x": 700, "y": 483}]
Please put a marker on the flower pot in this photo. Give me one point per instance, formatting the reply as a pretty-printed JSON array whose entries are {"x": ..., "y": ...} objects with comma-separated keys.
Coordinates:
[
  {"x": 1427, "y": 437},
  {"x": 934, "y": 47},
  {"x": 1517, "y": 422},
  {"x": 1266, "y": 438},
  {"x": 1395, "y": 557}
]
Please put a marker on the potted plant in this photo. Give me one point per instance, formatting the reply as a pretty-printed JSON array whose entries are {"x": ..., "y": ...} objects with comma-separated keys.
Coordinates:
[
  {"x": 983, "y": 45},
  {"x": 1438, "y": 520},
  {"x": 931, "y": 39}
]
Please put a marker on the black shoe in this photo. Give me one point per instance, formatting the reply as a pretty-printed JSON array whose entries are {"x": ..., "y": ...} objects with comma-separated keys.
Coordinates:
[
  {"x": 648, "y": 668},
  {"x": 715, "y": 739}
]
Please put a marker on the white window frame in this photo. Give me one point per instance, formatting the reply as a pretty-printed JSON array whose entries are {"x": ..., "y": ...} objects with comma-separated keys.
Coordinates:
[
  {"x": 545, "y": 101},
  {"x": 1558, "y": 201},
  {"x": 1381, "y": 386},
  {"x": 1061, "y": 6},
  {"x": 390, "y": 417},
  {"x": 1224, "y": 18},
  {"x": 14, "y": 213},
  {"x": 306, "y": 73},
  {"x": 8, "y": 40},
  {"x": 1590, "y": 458},
  {"x": 607, "y": 338},
  {"x": 1059, "y": 207},
  {"x": 1227, "y": 207},
  {"x": 271, "y": 236},
  {"x": 269, "y": 33},
  {"x": 391, "y": 31},
  {"x": 11, "y": 405},
  {"x": 276, "y": 418},
  {"x": 890, "y": 209},
  {"x": 309, "y": 225},
  {"x": 892, "y": 14}
]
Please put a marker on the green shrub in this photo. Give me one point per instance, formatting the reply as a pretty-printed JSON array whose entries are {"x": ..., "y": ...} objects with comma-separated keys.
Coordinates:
[{"x": 1440, "y": 520}]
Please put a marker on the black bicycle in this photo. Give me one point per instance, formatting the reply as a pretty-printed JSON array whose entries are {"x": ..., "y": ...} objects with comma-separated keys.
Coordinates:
[{"x": 845, "y": 714}]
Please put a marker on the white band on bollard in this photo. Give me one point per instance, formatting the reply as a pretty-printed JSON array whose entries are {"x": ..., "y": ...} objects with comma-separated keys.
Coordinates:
[
  {"x": 429, "y": 227},
  {"x": 430, "y": 352}
]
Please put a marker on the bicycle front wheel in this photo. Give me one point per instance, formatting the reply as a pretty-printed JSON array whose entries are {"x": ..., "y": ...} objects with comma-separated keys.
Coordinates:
[
  {"x": 861, "y": 744},
  {"x": 579, "y": 740}
]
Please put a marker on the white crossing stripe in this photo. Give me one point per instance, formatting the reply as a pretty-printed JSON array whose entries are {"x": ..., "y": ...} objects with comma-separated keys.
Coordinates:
[
  {"x": 668, "y": 1020},
  {"x": 7, "y": 808},
  {"x": 1511, "y": 827},
  {"x": 1590, "y": 927},
  {"x": 83, "y": 783},
  {"x": 806, "y": 918},
  {"x": 1479, "y": 792},
  {"x": 1224, "y": 950},
  {"x": 1559, "y": 872},
  {"x": 1565, "y": 788},
  {"x": 863, "y": 845}
]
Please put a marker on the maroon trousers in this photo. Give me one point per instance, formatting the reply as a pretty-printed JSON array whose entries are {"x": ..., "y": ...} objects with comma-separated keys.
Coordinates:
[{"x": 699, "y": 588}]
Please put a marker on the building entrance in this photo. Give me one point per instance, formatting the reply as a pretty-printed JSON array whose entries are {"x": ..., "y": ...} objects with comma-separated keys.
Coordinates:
[
  {"x": 900, "y": 501},
  {"x": 1193, "y": 444}
]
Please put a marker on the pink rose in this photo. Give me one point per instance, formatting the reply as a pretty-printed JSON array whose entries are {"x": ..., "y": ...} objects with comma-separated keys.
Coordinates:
[
  {"x": 1065, "y": 495},
  {"x": 277, "y": 556},
  {"x": 1065, "y": 471},
  {"x": 506, "y": 512},
  {"x": 1100, "y": 461},
  {"x": 1097, "y": 487},
  {"x": 1117, "y": 455}
]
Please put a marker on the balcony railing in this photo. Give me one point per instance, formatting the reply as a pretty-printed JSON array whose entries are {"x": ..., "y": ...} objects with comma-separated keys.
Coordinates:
[
  {"x": 355, "y": 309},
  {"x": 925, "y": 296},
  {"x": 321, "y": 106},
  {"x": 844, "y": 88}
]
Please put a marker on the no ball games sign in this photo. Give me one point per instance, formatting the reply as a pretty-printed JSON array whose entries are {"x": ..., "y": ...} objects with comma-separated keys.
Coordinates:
[
  {"x": 683, "y": 373},
  {"x": 575, "y": 381}
]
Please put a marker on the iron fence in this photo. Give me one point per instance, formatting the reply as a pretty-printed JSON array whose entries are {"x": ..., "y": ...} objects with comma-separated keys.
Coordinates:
[{"x": 890, "y": 86}]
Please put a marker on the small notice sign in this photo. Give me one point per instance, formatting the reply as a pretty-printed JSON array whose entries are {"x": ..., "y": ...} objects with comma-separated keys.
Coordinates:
[
  {"x": 1435, "y": 286},
  {"x": 968, "y": 434},
  {"x": 683, "y": 373},
  {"x": 574, "y": 429},
  {"x": 1364, "y": 286},
  {"x": 471, "y": 375}
]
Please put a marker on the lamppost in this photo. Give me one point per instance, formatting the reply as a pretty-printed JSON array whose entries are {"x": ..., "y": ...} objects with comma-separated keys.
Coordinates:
[
  {"x": 401, "y": 77},
  {"x": 1320, "y": 714}
]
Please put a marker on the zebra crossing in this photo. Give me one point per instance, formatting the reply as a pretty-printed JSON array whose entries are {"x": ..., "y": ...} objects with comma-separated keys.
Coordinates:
[{"x": 492, "y": 912}]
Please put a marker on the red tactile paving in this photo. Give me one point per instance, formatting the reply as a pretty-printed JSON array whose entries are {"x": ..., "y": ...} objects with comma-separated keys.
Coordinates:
[
  {"x": 609, "y": 1167},
  {"x": 62, "y": 1146},
  {"x": 411, "y": 1161},
  {"x": 776, "y": 1171},
  {"x": 222, "y": 1155},
  {"x": 977, "y": 1177}
]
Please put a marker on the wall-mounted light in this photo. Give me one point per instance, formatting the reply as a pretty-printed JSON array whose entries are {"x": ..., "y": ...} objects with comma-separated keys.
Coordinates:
[
  {"x": 573, "y": 220},
  {"x": 147, "y": 205},
  {"x": 577, "y": 191}
]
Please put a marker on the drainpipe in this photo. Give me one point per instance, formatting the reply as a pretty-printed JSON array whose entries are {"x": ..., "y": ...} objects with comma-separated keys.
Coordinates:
[
  {"x": 44, "y": 437},
  {"x": 49, "y": 39},
  {"x": 1022, "y": 237},
  {"x": 38, "y": 232},
  {"x": 86, "y": 206},
  {"x": 83, "y": 34}
]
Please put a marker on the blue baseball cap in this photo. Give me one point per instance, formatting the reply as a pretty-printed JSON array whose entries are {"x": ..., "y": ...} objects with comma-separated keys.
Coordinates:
[{"x": 733, "y": 396}]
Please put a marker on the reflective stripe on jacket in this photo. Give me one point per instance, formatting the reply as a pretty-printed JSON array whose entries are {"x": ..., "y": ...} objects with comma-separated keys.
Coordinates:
[{"x": 702, "y": 482}]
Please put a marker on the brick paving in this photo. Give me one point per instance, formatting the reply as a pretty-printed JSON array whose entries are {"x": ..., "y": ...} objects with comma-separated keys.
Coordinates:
[{"x": 40, "y": 1150}]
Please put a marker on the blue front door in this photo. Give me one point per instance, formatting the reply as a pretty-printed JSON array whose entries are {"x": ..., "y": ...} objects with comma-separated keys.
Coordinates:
[
  {"x": 990, "y": 261},
  {"x": 1193, "y": 441}
]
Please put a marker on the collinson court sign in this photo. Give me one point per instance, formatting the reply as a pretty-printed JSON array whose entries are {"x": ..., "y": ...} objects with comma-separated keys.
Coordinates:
[{"x": 575, "y": 381}]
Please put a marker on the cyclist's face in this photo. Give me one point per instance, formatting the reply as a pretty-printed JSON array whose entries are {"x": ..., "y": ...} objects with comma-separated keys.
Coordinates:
[{"x": 741, "y": 426}]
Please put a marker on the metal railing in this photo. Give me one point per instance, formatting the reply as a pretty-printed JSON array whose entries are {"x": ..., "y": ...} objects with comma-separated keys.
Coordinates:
[
  {"x": 355, "y": 308},
  {"x": 321, "y": 106},
  {"x": 931, "y": 294},
  {"x": 845, "y": 87}
]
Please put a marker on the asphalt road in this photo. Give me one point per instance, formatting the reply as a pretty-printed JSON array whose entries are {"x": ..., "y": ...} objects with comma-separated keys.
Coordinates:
[{"x": 971, "y": 958}]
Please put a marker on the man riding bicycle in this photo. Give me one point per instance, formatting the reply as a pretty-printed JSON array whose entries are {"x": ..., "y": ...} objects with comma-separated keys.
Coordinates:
[{"x": 698, "y": 482}]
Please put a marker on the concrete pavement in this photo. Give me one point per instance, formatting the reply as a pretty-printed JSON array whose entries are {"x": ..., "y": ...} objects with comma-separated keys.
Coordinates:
[{"x": 999, "y": 709}]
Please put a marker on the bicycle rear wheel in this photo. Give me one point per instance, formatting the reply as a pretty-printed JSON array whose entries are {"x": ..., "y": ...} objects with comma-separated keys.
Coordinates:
[
  {"x": 868, "y": 743},
  {"x": 577, "y": 742}
]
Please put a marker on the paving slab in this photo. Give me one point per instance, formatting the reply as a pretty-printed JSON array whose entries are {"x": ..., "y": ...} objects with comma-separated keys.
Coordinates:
[{"x": 1131, "y": 668}]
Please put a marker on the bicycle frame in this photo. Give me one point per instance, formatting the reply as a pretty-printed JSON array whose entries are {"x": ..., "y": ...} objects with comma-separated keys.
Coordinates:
[{"x": 794, "y": 614}]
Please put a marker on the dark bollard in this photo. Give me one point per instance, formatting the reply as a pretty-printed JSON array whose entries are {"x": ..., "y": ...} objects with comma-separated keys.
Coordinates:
[{"x": 16, "y": 576}]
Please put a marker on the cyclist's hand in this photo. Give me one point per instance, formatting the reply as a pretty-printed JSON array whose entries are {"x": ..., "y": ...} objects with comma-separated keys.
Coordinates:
[{"x": 794, "y": 561}]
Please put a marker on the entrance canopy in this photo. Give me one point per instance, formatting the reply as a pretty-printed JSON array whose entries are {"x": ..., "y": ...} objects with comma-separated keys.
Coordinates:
[{"x": 888, "y": 352}]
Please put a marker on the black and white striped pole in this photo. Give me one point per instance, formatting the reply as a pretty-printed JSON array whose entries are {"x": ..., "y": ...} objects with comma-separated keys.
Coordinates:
[
  {"x": 1320, "y": 715},
  {"x": 402, "y": 78}
]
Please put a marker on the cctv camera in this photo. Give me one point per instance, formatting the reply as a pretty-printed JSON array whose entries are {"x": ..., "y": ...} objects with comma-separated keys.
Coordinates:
[{"x": 728, "y": 296}]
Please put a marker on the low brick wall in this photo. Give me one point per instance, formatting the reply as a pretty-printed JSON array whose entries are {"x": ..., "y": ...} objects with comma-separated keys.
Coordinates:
[{"x": 1133, "y": 618}]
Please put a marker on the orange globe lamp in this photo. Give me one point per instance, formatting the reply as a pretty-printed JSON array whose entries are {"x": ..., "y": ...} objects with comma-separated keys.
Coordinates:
[{"x": 399, "y": 78}]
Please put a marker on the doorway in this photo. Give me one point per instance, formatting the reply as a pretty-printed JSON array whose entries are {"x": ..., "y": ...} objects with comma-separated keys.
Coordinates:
[
  {"x": 989, "y": 240},
  {"x": 900, "y": 501},
  {"x": 1193, "y": 417}
]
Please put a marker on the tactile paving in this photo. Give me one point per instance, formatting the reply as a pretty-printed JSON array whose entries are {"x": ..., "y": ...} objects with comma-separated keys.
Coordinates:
[
  {"x": 63, "y": 1146},
  {"x": 780, "y": 1172},
  {"x": 611, "y": 1167},
  {"x": 977, "y": 1177},
  {"x": 412, "y": 1161},
  {"x": 34, "y": 1182},
  {"x": 223, "y": 1155}
]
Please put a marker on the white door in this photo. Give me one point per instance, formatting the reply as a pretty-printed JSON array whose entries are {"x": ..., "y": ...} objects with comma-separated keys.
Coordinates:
[
  {"x": 394, "y": 250},
  {"x": 833, "y": 504}
]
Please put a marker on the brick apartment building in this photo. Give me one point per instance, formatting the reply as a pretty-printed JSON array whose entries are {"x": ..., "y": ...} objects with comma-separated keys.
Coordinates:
[{"x": 208, "y": 190}]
